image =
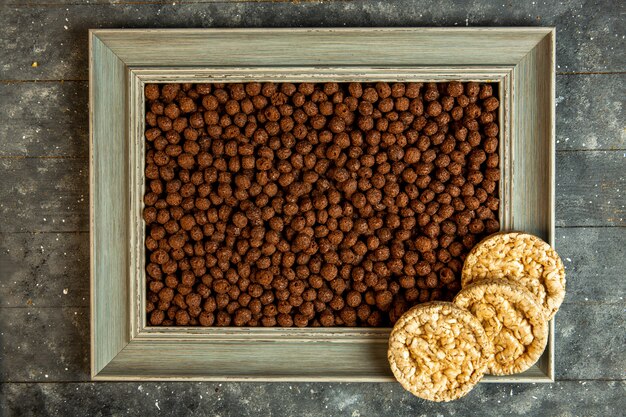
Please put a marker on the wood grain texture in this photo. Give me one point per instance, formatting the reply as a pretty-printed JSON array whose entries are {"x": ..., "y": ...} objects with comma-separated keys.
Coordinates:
[
  {"x": 108, "y": 205},
  {"x": 590, "y": 33},
  {"x": 527, "y": 168},
  {"x": 139, "y": 77},
  {"x": 590, "y": 36},
  {"x": 324, "y": 47},
  {"x": 35, "y": 350},
  {"x": 595, "y": 270},
  {"x": 57, "y": 190},
  {"x": 136, "y": 189},
  {"x": 286, "y": 73},
  {"x": 532, "y": 153},
  {"x": 49, "y": 119},
  {"x": 265, "y": 360},
  {"x": 533, "y": 142}
]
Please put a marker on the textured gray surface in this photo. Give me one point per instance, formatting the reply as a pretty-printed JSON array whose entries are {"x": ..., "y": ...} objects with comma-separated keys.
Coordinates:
[
  {"x": 590, "y": 111},
  {"x": 44, "y": 194},
  {"x": 567, "y": 398},
  {"x": 44, "y": 269},
  {"x": 44, "y": 295},
  {"x": 54, "y": 342},
  {"x": 589, "y": 34},
  {"x": 589, "y": 108},
  {"x": 44, "y": 119},
  {"x": 590, "y": 188},
  {"x": 51, "y": 194}
]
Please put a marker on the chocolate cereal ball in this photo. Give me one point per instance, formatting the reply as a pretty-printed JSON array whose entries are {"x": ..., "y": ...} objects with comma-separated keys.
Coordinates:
[{"x": 313, "y": 204}]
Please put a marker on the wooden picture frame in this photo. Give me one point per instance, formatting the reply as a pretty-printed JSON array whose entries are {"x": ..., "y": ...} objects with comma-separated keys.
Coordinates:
[{"x": 521, "y": 60}]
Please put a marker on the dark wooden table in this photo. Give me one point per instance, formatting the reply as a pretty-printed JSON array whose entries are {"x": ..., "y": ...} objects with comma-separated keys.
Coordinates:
[{"x": 44, "y": 231}]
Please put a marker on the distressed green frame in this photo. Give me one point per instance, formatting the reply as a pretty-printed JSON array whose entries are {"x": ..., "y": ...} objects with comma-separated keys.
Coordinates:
[{"x": 122, "y": 61}]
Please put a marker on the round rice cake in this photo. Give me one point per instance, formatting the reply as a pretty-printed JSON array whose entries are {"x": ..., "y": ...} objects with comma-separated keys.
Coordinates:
[
  {"x": 513, "y": 320},
  {"x": 438, "y": 351},
  {"x": 522, "y": 258}
]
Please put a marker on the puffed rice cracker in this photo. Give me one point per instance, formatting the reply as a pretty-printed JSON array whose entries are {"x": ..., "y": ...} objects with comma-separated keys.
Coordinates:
[
  {"x": 521, "y": 258},
  {"x": 513, "y": 320},
  {"x": 438, "y": 351}
]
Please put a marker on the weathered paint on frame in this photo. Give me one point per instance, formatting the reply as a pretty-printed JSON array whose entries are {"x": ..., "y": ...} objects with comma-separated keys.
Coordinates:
[{"x": 520, "y": 59}]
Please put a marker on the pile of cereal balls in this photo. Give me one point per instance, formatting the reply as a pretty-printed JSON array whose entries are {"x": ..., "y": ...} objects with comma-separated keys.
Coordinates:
[{"x": 280, "y": 204}]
